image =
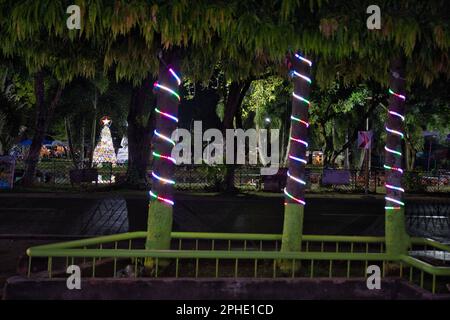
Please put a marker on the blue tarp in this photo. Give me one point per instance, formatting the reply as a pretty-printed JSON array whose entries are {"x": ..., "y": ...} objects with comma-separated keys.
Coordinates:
[{"x": 27, "y": 142}]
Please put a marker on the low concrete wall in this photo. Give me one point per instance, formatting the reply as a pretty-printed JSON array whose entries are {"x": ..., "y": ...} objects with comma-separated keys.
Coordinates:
[{"x": 212, "y": 289}]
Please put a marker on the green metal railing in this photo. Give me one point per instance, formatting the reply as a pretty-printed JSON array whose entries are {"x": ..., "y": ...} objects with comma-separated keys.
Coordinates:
[{"x": 244, "y": 255}]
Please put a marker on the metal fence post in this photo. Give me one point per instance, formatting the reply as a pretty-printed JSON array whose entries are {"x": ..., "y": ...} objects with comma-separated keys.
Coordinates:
[
  {"x": 439, "y": 179},
  {"x": 240, "y": 178},
  {"x": 372, "y": 175},
  {"x": 54, "y": 174},
  {"x": 375, "y": 181},
  {"x": 190, "y": 177}
]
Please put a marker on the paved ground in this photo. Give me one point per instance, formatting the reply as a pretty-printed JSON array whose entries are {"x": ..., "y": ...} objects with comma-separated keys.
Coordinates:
[
  {"x": 63, "y": 216},
  {"x": 28, "y": 219},
  {"x": 88, "y": 214}
]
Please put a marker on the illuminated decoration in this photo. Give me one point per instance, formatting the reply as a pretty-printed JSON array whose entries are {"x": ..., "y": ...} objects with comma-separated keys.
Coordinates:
[
  {"x": 295, "y": 178},
  {"x": 395, "y": 201},
  {"x": 397, "y": 115},
  {"x": 395, "y": 132},
  {"x": 106, "y": 121},
  {"x": 303, "y": 59},
  {"x": 398, "y": 153},
  {"x": 393, "y": 192},
  {"x": 160, "y": 182},
  {"x": 400, "y": 96},
  {"x": 104, "y": 150},
  {"x": 157, "y": 155},
  {"x": 394, "y": 187},
  {"x": 300, "y": 123},
  {"x": 290, "y": 196},
  {"x": 168, "y": 201},
  {"x": 160, "y": 86},
  {"x": 296, "y": 74},
  {"x": 163, "y": 180},
  {"x": 167, "y": 115},
  {"x": 164, "y": 137},
  {"x": 298, "y": 159},
  {"x": 296, "y": 96},
  {"x": 299, "y": 141},
  {"x": 175, "y": 76},
  {"x": 393, "y": 168},
  {"x": 392, "y": 208}
]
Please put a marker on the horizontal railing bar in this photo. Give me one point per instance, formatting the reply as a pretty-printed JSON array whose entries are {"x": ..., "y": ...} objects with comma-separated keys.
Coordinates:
[
  {"x": 430, "y": 242},
  {"x": 206, "y": 254},
  {"x": 71, "y": 249},
  {"x": 93, "y": 241},
  {"x": 225, "y": 236},
  {"x": 333, "y": 238},
  {"x": 208, "y": 236},
  {"x": 419, "y": 264}
]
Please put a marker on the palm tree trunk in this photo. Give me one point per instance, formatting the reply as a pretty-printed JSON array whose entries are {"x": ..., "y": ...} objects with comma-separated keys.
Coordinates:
[
  {"x": 397, "y": 240},
  {"x": 295, "y": 186},
  {"x": 162, "y": 196}
]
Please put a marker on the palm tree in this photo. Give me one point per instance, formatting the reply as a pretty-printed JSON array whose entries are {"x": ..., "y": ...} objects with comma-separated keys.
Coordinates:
[{"x": 296, "y": 182}]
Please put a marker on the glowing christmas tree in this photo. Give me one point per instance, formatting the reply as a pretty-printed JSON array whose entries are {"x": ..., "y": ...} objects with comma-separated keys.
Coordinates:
[{"x": 104, "y": 151}]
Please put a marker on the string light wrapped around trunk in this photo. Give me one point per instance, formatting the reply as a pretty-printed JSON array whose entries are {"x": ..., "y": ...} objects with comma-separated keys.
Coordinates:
[
  {"x": 161, "y": 184},
  {"x": 295, "y": 185},
  {"x": 393, "y": 168}
]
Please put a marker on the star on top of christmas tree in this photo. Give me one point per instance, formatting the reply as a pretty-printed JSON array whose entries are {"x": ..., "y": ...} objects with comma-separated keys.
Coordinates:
[{"x": 106, "y": 121}]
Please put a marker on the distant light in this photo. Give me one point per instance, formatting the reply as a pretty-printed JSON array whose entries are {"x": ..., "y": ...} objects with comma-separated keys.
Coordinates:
[{"x": 267, "y": 120}]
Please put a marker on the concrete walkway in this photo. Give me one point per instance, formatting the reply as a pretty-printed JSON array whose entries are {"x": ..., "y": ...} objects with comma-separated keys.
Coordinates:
[{"x": 109, "y": 213}]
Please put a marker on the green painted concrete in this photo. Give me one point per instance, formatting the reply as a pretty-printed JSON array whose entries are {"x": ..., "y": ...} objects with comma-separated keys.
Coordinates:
[
  {"x": 291, "y": 239},
  {"x": 159, "y": 228},
  {"x": 397, "y": 240},
  {"x": 292, "y": 228}
]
